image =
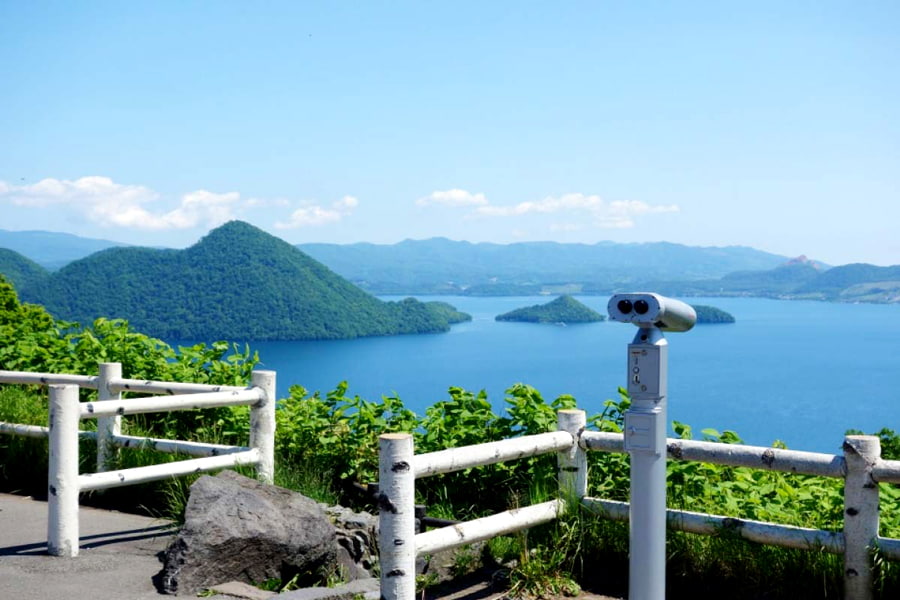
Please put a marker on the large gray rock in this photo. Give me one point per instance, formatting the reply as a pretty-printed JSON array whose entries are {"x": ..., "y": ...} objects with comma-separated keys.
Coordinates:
[{"x": 239, "y": 529}]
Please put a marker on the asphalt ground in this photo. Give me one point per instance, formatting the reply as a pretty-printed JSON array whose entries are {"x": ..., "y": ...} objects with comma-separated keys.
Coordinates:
[{"x": 119, "y": 555}]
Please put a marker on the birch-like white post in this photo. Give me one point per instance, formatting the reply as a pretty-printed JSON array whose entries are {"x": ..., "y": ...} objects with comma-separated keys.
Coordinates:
[
  {"x": 262, "y": 425},
  {"x": 62, "y": 485},
  {"x": 396, "y": 516},
  {"x": 861, "y": 453},
  {"x": 572, "y": 461},
  {"x": 107, "y": 427}
]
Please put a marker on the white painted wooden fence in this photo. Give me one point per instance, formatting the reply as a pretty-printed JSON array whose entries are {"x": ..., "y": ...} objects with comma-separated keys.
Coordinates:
[
  {"x": 64, "y": 482},
  {"x": 860, "y": 466}
]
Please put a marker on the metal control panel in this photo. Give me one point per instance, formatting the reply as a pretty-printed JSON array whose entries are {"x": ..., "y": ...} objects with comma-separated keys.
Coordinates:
[{"x": 643, "y": 369}]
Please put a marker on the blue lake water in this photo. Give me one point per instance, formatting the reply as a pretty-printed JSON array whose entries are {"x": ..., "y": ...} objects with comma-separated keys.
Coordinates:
[{"x": 800, "y": 372}]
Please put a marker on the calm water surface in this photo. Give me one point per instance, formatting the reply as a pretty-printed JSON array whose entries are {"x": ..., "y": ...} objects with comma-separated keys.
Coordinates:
[{"x": 801, "y": 372}]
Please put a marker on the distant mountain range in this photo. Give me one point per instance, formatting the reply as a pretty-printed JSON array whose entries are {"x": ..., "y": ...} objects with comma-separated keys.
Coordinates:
[
  {"x": 52, "y": 250},
  {"x": 798, "y": 281},
  {"x": 442, "y": 266},
  {"x": 237, "y": 283}
]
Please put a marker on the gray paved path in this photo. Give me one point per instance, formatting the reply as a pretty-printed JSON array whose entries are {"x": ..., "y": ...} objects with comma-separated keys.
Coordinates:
[{"x": 118, "y": 557}]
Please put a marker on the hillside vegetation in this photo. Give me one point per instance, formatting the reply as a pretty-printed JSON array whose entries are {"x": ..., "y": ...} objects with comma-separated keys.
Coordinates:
[
  {"x": 238, "y": 282},
  {"x": 20, "y": 271},
  {"x": 564, "y": 309}
]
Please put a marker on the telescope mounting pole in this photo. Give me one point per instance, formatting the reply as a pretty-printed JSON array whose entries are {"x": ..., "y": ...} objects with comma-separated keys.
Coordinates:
[{"x": 645, "y": 441}]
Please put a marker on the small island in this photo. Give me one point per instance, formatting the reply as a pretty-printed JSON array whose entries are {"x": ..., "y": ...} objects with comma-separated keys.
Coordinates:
[
  {"x": 564, "y": 310},
  {"x": 711, "y": 314}
]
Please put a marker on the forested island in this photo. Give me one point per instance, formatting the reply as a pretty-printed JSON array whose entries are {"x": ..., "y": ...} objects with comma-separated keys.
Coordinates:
[
  {"x": 564, "y": 309},
  {"x": 237, "y": 283},
  {"x": 711, "y": 314}
]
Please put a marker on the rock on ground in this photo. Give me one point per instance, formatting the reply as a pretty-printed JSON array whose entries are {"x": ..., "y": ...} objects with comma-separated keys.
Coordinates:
[{"x": 238, "y": 529}]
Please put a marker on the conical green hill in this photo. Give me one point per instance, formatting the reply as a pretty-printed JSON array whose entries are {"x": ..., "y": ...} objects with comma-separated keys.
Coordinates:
[{"x": 564, "y": 309}]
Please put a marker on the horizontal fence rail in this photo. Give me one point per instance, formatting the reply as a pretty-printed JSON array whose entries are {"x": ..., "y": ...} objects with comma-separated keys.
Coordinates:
[
  {"x": 734, "y": 455},
  {"x": 133, "y": 476},
  {"x": 886, "y": 471},
  {"x": 133, "y": 406},
  {"x": 166, "y": 387},
  {"x": 174, "y": 446},
  {"x": 485, "y": 528},
  {"x": 771, "y": 534},
  {"x": 466, "y": 457},
  {"x": 26, "y": 378},
  {"x": 64, "y": 482}
]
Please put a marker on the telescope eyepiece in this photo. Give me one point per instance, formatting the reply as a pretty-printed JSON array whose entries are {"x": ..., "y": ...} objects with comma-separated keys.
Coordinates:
[{"x": 646, "y": 309}]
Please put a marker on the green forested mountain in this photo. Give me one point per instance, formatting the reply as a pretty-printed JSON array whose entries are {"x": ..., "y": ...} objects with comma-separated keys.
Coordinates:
[
  {"x": 236, "y": 283},
  {"x": 18, "y": 270},
  {"x": 564, "y": 309}
]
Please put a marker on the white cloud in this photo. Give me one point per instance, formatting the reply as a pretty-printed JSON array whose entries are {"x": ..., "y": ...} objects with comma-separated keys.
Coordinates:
[
  {"x": 314, "y": 215},
  {"x": 454, "y": 197},
  {"x": 266, "y": 202},
  {"x": 566, "y": 227},
  {"x": 346, "y": 204},
  {"x": 616, "y": 214},
  {"x": 108, "y": 203}
]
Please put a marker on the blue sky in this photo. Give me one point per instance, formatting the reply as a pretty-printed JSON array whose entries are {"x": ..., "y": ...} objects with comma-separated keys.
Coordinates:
[{"x": 767, "y": 124}]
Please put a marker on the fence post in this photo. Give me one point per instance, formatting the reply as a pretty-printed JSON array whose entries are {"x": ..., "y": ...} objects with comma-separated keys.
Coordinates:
[
  {"x": 62, "y": 480},
  {"x": 396, "y": 516},
  {"x": 861, "y": 453},
  {"x": 573, "y": 461},
  {"x": 262, "y": 425},
  {"x": 107, "y": 427}
]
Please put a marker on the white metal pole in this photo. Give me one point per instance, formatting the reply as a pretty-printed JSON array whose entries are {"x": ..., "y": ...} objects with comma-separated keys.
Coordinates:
[
  {"x": 62, "y": 484},
  {"x": 396, "y": 516},
  {"x": 645, "y": 441},
  {"x": 572, "y": 461},
  {"x": 861, "y": 453},
  {"x": 262, "y": 425},
  {"x": 107, "y": 427}
]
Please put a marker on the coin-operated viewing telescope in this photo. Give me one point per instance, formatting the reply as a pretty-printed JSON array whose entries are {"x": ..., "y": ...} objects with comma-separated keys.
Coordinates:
[
  {"x": 645, "y": 431},
  {"x": 652, "y": 310}
]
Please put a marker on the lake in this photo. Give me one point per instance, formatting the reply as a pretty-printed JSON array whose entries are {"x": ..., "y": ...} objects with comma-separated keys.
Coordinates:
[{"x": 800, "y": 372}]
